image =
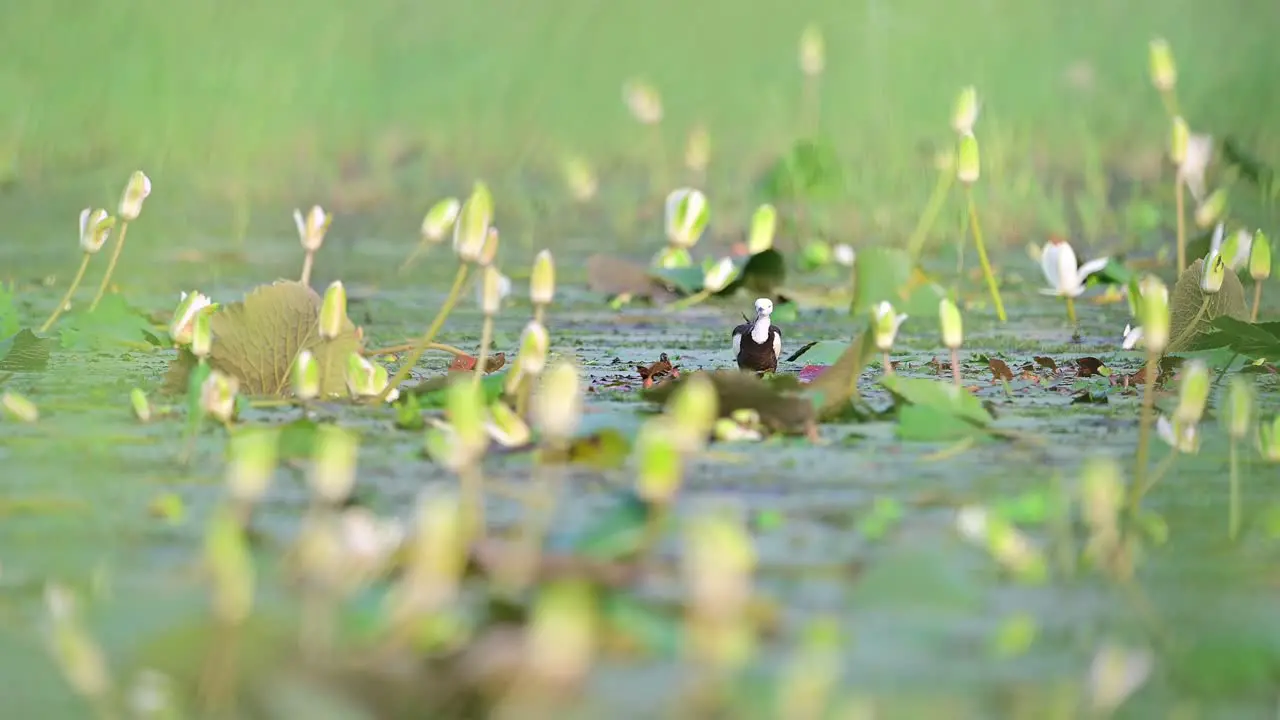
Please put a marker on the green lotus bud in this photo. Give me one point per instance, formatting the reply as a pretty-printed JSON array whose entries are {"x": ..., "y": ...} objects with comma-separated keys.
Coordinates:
[
  {"x": 670, "y": 257},
  {"x": 660, "y": 464},
  {"x": 218, "y": 395},
  {"x": 719, "y": 563},
  {"x": 579, "y": 178},
  {"x": 440, "y": 218},
  {"x": 968, "y": 167},
  {"x": 815, "y": 254},
  {"x": 182, "y": 325},
  {"x": 230, "y": 566},
  {"x": 506, "y": 427},
  {"x": 253, "y": 454},
  {"x": 202, "y": 334},
  {"x": 965, "y": 113},
  {"x": 140, "y": 405},
  {"x": 1238, "y": 413},
  {"x": 489, "y": 252},
  {"x": 1213, "y": 273},
  {"x": 542, "y": 281},
  {"x": 558, "y": 405},
  {"x": 79, "y": 656},
  {"x": 1154, "y": 306},
  {"x": 1179, "y": 139},
  {"x": 1102, "y": 491},
  {"x": 471, "y": 231},
  {"x": 491, "y": 291},
  {"x": 717, "y": 276},
  {"x": 306, "y": 376},
  {"x": 886, "y": 325},
  {"x": 561, "y": 637},
  {"x": 1181, "y": 436},
  {"x": 1269, "y": 440},
  {"x": 687, "y": 213},
  {"x": 812, "y": 51},
  {"x": 95, "y": 228},
  {"x": 467, "y": 417},
  {"x": 697, "y": 151},
  {"x": 333, "y": 463},
  {"x": 19, "y": 407},
  {"x": 360, "y": 376},
  {"x": 952, "y": 325},
  {"x": 1212, "y": 209},
  {"x": 1164, "y": 74},
  {"x": 643, "y": 101},
  {"x": 694, "y": 410},
  {"x": 1229, "y": 249},
  {"x": 136, "y": 191},
  {"x": 1193, "y": 392},
  {"x": 1260, "y": 257},
  {"x": 380, "y": 380},
  {"x": 312, "y": 228},
  {"x": 764, "y": 224},
  {"x": 534, "y": 345},
  {"x": 333, "y": 311}
]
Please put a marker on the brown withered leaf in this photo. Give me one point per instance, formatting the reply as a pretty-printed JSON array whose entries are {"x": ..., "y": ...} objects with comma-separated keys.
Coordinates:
[
  {"x": 1046, "y": 362},
  {"x": 1088, "y": 366},
  {"x": 788, "y": 413},
  {"x": 612, "y": 276},
  {"x": 1000, "y": 369},
  {"x": 1192, "y": 312}
]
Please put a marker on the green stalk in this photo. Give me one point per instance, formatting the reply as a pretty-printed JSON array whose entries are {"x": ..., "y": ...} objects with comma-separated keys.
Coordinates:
[
  {"x": 1257, "y": 300},
  {"x": 693, "y": 299},
  {"x": 1191, "y": 329},
  {"x": 1180, "y": 209},
  {"x": 1071, "y": 311},
  {"x": 921, "y": 233},
  {"x": 982, "y": 256},
  {"x": 423, "y": 246},
  {"x": 75, "y": 283},
  {"x": 888, "y": 364},
  {"x": 111, "y": 265},
  {"x": 1145, "y": 422},
  {"x": 307, "y": 262},
  {"x": 955, "y": 366},
  {"x": 407, "y": 366},
  {"x": 1233, "y": 516},
  {"x": 486, "y": 336}
]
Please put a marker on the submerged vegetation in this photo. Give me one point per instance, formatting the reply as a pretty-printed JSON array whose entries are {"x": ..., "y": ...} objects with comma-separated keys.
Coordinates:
[{"x": 619, "y": 517}]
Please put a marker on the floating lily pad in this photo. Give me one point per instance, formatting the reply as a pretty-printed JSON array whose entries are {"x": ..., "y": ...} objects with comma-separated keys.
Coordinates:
[
  {"x": 1253, "y": 340},
  {"x": 24, "y": 352},
  {"x": 114, "y": 323},
  {"x": 736, "y": 390}
]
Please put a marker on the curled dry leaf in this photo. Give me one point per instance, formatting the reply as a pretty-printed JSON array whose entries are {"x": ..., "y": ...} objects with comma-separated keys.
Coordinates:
[
  {"x": 1046, "y": 362},
  {"x": 780, "y": 412},
  {"x": 1000, "y": 369}
]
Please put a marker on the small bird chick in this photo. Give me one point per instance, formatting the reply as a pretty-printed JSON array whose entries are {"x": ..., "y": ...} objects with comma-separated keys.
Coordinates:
[{"x": 758, "y": 343}]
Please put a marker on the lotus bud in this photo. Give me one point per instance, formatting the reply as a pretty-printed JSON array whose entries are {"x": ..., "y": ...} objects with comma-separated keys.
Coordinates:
[
  {"x": 306, "y": 376},
  {"x": 965, "y": 113},
  {"x": 687, "y": 213},
  {"x": 1230, "y": 249},
  {"x": 1212, "y": 209},
  {"x": 1260, "y": 257},
  {"x": 697, "y": 151},
  {"x": 218, "y": 395},
  {"x": 436, "y": 556},
  {"x": 534, "y": 345},
  {"x": 182, "y": 325},
  {"x": 253, "y": 455},
  {"x": 764, "y": 224},
  {"x": 471, "y": 231},
  {"x": 1193, "y": 392},
  {"x": 558, "y": 405},
  {"x": 812, "y": 51},
  {"x": 467, "y": 418},
  {"x": 140, "y": 405},
  {"x": 1182, "y": 437},
  {"x": 95, "y": 228},
  {"x": 1164, "y": 74},
  {"x": 490, "y": 251},
  {"x": 492, "y": 290},
  {"x": 505, "y": 427},
  {"x": 719, "y": 563},
  {"x": 1213, "y": 273},
  {"x": 660, "y": 463},
  {"x": 1179, "y": 139},
  {"x": 844, "y": 254},
  {"x": 643, "y": 101},
  {"x": 579, "y": 178},
  {"x": 360, "y": 376},
  {"x": 79, "y": 656},
  {"x": 886, "y": 325},
  {"x": 1114, "y": 675},
  {"x": 968, "y": 166},
  {"x": 1269, "y": 440},
  {"x": 717, "y": 276},
  {"x": 380, "y": 380},
  {"x": 952, "y": 325},
  {"x": 1102, "y": 493},
  {"x": 542, "y": 281},
  {"x": 1239, "y": 409},
  {"x": 333, "y": 311},
  {"x": 227, "y": 559},
  {"x": 1154, "y": 306},
  {"x": 440, "y": 219},
  {"x": 312, "y": 228},
  {"x": 202, "y": 334},
  {"x": 19, "y": 407},
  {"x": 333, "y": 465},
  {"x": 693, "y": 410},
  {"x": 561, "y": 637},
  {"x": 135, "y": 192}
]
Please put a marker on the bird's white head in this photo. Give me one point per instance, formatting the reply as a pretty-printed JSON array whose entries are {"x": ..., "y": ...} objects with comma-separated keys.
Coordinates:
[{"x": 764, "y": 307}]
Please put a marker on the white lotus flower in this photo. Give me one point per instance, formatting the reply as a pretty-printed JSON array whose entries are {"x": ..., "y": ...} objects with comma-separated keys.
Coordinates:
[
  {"x": 886, "y": 325},
  {"x": 1132, "y": 336},
  {"x": 1182, "y": 438},
  {"x": 182, "y": 325},
  {"x": 1240, "y": 245},
  {"x": 718, "y": 276},
  {"x": 1066, "y": 277},
  {"x": 311, "y": 229},
  {"x": 1199, "y": 152}
]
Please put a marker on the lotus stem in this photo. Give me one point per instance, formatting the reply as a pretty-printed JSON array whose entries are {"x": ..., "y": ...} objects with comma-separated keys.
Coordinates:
[
  {"x": 812, "y": 104},
  {"x": 111, "y": 265},
  {"x": 1071, "y": 311},
  {"x": 75, "y": 283},
  {"x": 1179, "y": 203},
  {"x": 1191, "y": 328},
  {"x": 982, "y": 256},
  {"x": 539, "y": 313},
  {"x": 888, "y": 364},
  {"x": 1233, "y": 514},
  {"x": 307, "y": 261},
  {"x": 930, "y": 215},
  {"x": 423, "y": 246},
  {"x": 1257, "y": 300},
  {"x": 471, "y": 480},
  {"x": 955, "y": 366},
  {"x": 486, "y": 336},
  {"x": 692, "y": 300},
  {"x": 1145, "y": 422},
  {"x": 406, "y": 347},
  {"x": 523, "y": 564},
  {"x": 1170, "y": 100},
  {"x": 407, "y": 366}
]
